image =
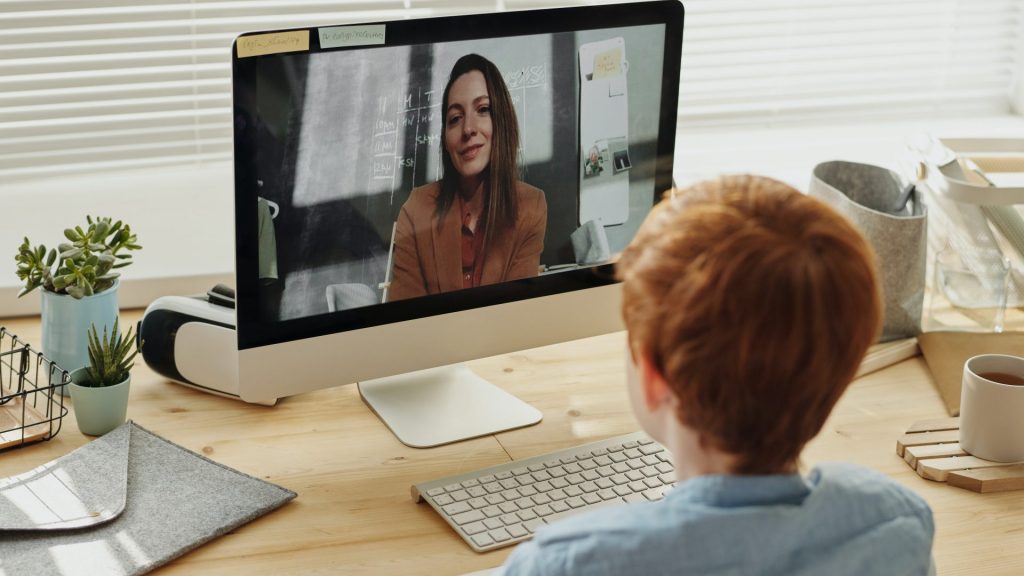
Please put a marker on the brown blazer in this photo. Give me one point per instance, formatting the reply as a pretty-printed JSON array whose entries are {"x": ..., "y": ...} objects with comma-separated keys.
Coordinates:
[{"x": 428, "y": 251}]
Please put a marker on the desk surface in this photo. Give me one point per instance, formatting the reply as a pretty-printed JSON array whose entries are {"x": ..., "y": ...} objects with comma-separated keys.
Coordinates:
[{"x": 354, "y": 514}]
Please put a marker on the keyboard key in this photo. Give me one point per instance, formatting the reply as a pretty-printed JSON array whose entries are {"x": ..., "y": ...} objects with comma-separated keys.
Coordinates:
[
  {"x": 459, "y": 495},
  {"x": 632, "y": 453},
  {"x": 524, "y": 479},
  {"x": 655, "y": 494},
  {"x": 590, "y": 475},
  {"x": 513, "y": 494},
  {"x": 477, "y": 503},
  {"x": 573, "y": 468},
  {"x": 604, "y": 460},
  {"x": 559, "y": 506},
  {"x": 605, "y": 471},
  {"x": 519, "y": 471},
  {"x": 509, "y": 483},
  {"x": 650, "y": 449},
  {"x": 541, "y": 476},
  {"x": 649, "y": 471},
  {"x": 574, "y": 479},
  {"x": 493, "y": 487},
  {"x": 634, "y": 475},
  {"x": 493, "y": 523},
  {"x": 558, "y": 494},
  {"x": 567, "y": 459},
  {"x": 503, "y": 475},
  {"x": 487, "y": 479},
  {"x": 470, "y": 483},
  {"x": 572, "y": 490},
  {"x": 618, "y": 457},
  {"x": 573, "y": 511},
  {"x": 588, "y": 487},
  {"x": 664, "y": 467},
  {"x": 509, "y": 519},
  {"x": 543, "y": 498},
  {"x": 532, "y": 525},
  {"x": 607, "y": 494},
  {"x": 544, "y": 486},
  {"x": 652, "y": 482},
  {"x": 631, "y": 498},
  {"x": 637, "y": 486},
  {"x": 588, "y": 464},
  {"x": 452, "y": 487},
  {"x": 619, "y": 479},
  {"x": 557, "y": 471},
  {"x": 482, "y": 540},
  {"x": 474, "y": 528},
  {"x": 443, "y": 499},
  {"x": 517, "y": 531},
  {"x": 559, "y": 482},
  {"x": 663, "y": 456},
  {"x": 575, "y": 502},
  {"x": 600, "y": 452},
  {"x": 621, "y": 467},
  {"x": 667, "y": 478},
  {"x": 645, "y": 441},
  {"x": 622, "y": 490},
  {"x": 526, "y": 514},
  {"x": 535, "y": 467},
  {"x": 467, "y": 517},
  {"x": 527, "y": 490},
  {"x": 524, "y": 503},
  {"x": 630, "y": 444},
  {"x": 435, "y": 491},
  {"x": 551, "y": 463},
  {"x": 650, "y": 460},
  {"x": 543, "y": 510},
  {"x": 635, "y": 464},
  {"x": 456, "y": 508},
  {"x": 508, "y": 507},
  {"x": 591, "y": 498},
  {"x": 476, "y": 491},
  {"x": 491, "y": 511},
  {"x": 604, "y": 483},
  {"x": 496, "y": 499},
  {"x": 616, "y": 448},
  {"x": 500, "y": 535}
]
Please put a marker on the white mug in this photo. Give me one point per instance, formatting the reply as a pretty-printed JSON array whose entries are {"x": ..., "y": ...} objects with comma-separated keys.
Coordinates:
[{"x": 992, "y": 408}]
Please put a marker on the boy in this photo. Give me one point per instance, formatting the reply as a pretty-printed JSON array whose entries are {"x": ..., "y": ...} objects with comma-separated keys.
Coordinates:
[{"x": 749, "y": 307}]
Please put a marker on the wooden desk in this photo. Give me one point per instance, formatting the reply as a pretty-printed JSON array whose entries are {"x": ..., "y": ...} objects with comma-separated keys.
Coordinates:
[{"x": 354, "y": 514}]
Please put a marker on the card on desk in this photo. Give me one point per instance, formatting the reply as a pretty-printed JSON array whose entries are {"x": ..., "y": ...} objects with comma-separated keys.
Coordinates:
[{"x": 946, "y": 351}]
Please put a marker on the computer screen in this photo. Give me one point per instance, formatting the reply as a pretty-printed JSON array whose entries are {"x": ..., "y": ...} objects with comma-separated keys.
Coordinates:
[{"x": 411, "y": 171}]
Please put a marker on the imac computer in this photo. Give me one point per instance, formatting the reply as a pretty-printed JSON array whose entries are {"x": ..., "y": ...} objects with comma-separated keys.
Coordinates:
[{"x": 413, "y": 194}]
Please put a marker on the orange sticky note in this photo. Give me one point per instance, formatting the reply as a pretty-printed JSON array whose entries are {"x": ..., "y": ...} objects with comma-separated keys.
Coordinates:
[
  {"x": 274, "y": 43},
  {"x": 608, "y": 63}
]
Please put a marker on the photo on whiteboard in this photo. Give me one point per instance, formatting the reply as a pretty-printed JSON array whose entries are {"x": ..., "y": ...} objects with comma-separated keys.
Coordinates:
[
  {"x": 619, "y": 154},
  {"x": 597, "y": 157}
]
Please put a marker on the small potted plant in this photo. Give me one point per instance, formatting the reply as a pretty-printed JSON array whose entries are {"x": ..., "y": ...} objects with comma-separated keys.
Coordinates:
[
  {"x": 79, "y": 281},
  {"x": 99, "y": 391}
]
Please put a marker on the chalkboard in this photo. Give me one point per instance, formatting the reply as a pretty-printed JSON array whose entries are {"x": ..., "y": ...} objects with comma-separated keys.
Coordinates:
[{"x": 369, "y": 130}]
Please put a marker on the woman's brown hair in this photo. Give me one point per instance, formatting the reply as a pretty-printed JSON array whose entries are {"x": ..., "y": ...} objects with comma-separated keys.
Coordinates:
[
  {"x": 501, "y": 211},
  {"x": 756, "y": 303}
]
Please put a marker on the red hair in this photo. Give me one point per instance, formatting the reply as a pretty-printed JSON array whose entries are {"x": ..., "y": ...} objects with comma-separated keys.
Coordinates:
[{"x": 756, "y": 303}]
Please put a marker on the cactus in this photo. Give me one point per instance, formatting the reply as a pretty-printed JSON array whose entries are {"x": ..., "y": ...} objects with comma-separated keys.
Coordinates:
[
  {"x": 85, "y": 264},
  {"x": 110, "y": 358}
]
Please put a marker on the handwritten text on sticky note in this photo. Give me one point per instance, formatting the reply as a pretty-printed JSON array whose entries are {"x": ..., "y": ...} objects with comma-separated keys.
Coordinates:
[
  {"x": 608, "y": 63},
  {"x": 275, "y": 43},
  {"x": 342, "y": 36}
]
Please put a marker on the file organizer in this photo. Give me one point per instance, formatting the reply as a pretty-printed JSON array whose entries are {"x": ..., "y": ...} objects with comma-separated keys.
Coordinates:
[{"x": 604, "y": 132}]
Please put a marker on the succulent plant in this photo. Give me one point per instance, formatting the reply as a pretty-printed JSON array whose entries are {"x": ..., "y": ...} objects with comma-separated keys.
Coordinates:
[
  {"x": 110, "y": 357},
  {"x": 84, "y": 265}
]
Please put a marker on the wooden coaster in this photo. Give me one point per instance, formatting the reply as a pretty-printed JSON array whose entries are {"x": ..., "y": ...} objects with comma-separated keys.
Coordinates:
[
  {"x": 14, "y": 431},
  {"x": 932, "y": 449}
]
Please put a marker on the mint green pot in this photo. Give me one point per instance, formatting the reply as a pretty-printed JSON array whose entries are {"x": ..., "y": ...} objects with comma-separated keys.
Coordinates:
[
  {"x": 98, "y": 410},
  {"x": 66, "y": 323}
]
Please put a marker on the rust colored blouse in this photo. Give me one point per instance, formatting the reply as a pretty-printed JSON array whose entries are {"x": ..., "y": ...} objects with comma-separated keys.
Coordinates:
[{"x": 472, "y": 248}]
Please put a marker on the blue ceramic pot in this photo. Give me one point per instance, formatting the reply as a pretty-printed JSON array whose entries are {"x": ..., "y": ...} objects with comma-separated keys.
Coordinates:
[{"x": 66, "y": 323}]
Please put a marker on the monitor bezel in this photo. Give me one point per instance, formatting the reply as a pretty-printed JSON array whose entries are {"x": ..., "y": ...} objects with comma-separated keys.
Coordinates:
[{"x": 253, "y": 332}]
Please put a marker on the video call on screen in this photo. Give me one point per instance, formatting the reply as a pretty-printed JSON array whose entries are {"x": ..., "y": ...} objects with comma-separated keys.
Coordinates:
[{"x": 342, "y": 138}]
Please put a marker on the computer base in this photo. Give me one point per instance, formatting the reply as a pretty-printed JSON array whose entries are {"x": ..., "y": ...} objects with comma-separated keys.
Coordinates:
[{"x": 443, "y": 405}]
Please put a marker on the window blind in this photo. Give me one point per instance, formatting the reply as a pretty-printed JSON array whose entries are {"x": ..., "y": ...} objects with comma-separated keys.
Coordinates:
[{"x": 90, "y": 85}]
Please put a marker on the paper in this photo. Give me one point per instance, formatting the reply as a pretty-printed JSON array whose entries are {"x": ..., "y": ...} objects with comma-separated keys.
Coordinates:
[
  {"x": 608, "y": 64},
  {"x": 276, "y": 43},
  {"x": 344, "y": 36},
  {"x": 947, "y": 351}
]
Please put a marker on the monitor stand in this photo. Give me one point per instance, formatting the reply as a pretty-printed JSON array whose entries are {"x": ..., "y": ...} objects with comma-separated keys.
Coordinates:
[{"x": 443, "y": 405}]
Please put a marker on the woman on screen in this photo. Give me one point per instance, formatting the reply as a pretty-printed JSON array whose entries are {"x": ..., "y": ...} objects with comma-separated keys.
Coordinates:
[{"x": 479, "y": 224}]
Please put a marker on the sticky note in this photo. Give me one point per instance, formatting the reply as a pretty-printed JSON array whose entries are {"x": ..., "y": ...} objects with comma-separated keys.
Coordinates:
[
  {"x": 343, "y": 36},
  {"x": 608, "y": 63},
  {"x": 274, "y": 43}
]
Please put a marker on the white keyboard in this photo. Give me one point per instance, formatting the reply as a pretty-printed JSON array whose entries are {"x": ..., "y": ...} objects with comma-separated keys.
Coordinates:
[{"x": 502, "y": 505}]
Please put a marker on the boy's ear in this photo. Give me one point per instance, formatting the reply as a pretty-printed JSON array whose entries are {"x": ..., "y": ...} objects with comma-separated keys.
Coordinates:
[{"x": 656, "y": 388}]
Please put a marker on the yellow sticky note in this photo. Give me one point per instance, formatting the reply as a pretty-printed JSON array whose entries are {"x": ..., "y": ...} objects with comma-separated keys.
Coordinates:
[
  {"x": 275, "y": 43},
  {"x": 608, "y": 63}
]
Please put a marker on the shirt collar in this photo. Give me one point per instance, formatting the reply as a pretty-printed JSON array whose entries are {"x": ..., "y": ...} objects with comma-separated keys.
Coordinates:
[{"x": 731, "y": 491}]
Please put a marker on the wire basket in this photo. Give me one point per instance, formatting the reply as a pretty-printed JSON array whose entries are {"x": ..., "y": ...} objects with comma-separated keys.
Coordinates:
[{"x": 32, "y": 402}]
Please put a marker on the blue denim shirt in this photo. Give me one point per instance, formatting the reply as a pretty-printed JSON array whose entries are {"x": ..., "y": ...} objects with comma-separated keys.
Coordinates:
[{"x": 839, "y": 519}]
